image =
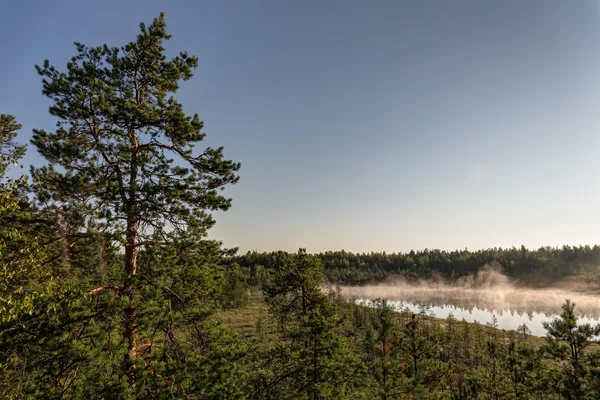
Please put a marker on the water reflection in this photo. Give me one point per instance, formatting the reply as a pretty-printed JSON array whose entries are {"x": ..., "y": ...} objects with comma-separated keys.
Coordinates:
[
  {"x": 506, "y": 319},
  {"x": 511, "y": 306}
]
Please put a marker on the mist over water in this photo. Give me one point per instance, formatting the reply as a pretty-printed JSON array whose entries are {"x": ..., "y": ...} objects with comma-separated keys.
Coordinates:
[{"x": 479, "y": 297}]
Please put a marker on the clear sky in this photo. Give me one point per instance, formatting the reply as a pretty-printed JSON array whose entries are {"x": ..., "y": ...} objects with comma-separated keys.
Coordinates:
[{"x": 366, "y": 125}]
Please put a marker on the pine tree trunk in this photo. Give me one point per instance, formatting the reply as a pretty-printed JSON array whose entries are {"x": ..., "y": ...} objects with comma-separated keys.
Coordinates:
[
  {"x": 303, "y": 295},
  {"x": 101, "y": 257},
  {"x": 130, "y": 331},
  {"x": 61, "y": 234},
  {"x": 315, "y": 375},
  {"x": 415, "y": 365},
  {"x": 131, "y": 327},
  {"x": 384, "y": 352}
]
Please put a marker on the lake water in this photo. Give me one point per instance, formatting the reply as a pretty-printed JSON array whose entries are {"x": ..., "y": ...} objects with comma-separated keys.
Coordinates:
[{"x": 511, "y": 306}]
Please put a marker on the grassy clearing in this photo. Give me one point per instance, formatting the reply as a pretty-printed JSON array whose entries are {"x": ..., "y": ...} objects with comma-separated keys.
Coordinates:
[
  {"x": 247, "y": 320},
  {"x": 252, "y": 320}
]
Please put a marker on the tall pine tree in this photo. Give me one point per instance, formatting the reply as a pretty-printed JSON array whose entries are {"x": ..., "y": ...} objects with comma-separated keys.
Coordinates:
[{"x": 123, "y": 155}]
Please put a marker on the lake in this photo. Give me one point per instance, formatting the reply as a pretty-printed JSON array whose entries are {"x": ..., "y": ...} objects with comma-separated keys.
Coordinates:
[{"x": 511, "y": 305}]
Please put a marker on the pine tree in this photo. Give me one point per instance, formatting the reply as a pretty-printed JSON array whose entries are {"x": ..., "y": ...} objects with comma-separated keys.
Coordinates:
[
  {"x": 314, "y": 360},
  {"x": 10, "y": 151},
  {"x": 385, "y": 363},
  {"x": 123, "y": 160},
  {"x": 520, "y": 365},
  {"x": 568, "y": 340},
  {"x": 419, "y": 348}
]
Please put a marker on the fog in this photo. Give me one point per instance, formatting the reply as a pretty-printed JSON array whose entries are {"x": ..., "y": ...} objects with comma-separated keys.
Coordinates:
[{"x": 489, "y": 289}]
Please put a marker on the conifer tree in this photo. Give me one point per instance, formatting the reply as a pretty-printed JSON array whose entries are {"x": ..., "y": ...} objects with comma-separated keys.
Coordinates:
[
  {"x": 419, "y": 347},
  {"x": 314, "y": 361},
  {"x": 29, "y": 290},
  {"x": 123, "y": 156},
  {"x": 10, "y": 151},
  {"x": 385, "y": 363},
  {"x": 568, "y": 340},
  {"x": 520, "y": 365}
]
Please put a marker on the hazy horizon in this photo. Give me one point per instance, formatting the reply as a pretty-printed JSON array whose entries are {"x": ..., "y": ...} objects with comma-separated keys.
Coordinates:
[
  {"x": 367, "y": 126},
  {"x": 416, "y": 250}
]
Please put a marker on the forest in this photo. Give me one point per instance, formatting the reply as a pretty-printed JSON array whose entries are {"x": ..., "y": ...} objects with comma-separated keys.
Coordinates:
[
  {"x": 521, "y": 264},
  {"x": 111, "y": 289}
]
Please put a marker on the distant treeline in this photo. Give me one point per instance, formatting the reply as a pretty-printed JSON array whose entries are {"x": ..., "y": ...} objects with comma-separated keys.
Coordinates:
[{"x": 519, "y": 263}]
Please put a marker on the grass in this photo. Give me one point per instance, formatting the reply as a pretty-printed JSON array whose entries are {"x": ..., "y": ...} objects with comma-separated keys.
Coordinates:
[
  {"x": 252, "y": 320},
  {"x": 244, "y": 320}
]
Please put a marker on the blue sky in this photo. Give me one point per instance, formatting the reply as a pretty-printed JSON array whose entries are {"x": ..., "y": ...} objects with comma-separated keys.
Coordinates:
[{"x": 366, "y": 125}]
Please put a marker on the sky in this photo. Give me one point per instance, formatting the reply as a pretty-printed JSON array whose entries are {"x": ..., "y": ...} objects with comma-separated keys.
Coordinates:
[{"x": 365, "y": 125}]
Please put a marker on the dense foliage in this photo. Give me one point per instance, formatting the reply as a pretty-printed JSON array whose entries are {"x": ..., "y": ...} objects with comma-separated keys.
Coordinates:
[
  {"x": 519, "y": 263},
  {"x": 110, "y": 289}
]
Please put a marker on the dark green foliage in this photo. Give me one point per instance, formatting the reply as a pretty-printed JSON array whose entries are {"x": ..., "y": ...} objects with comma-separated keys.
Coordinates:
[
  {"x": 120, "y": 131},
  {"x": 313, "y": 359},
  {"x": 123, "y": 174},
  {"x": 520, "y": 263},
  {"x": 10, "y": 151},
  {"x": 567, "y": 341},
  {"x": 565, "y": 329},
  {"x": 382, "y": 352},
  {"x": 520, "y": 364}
]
